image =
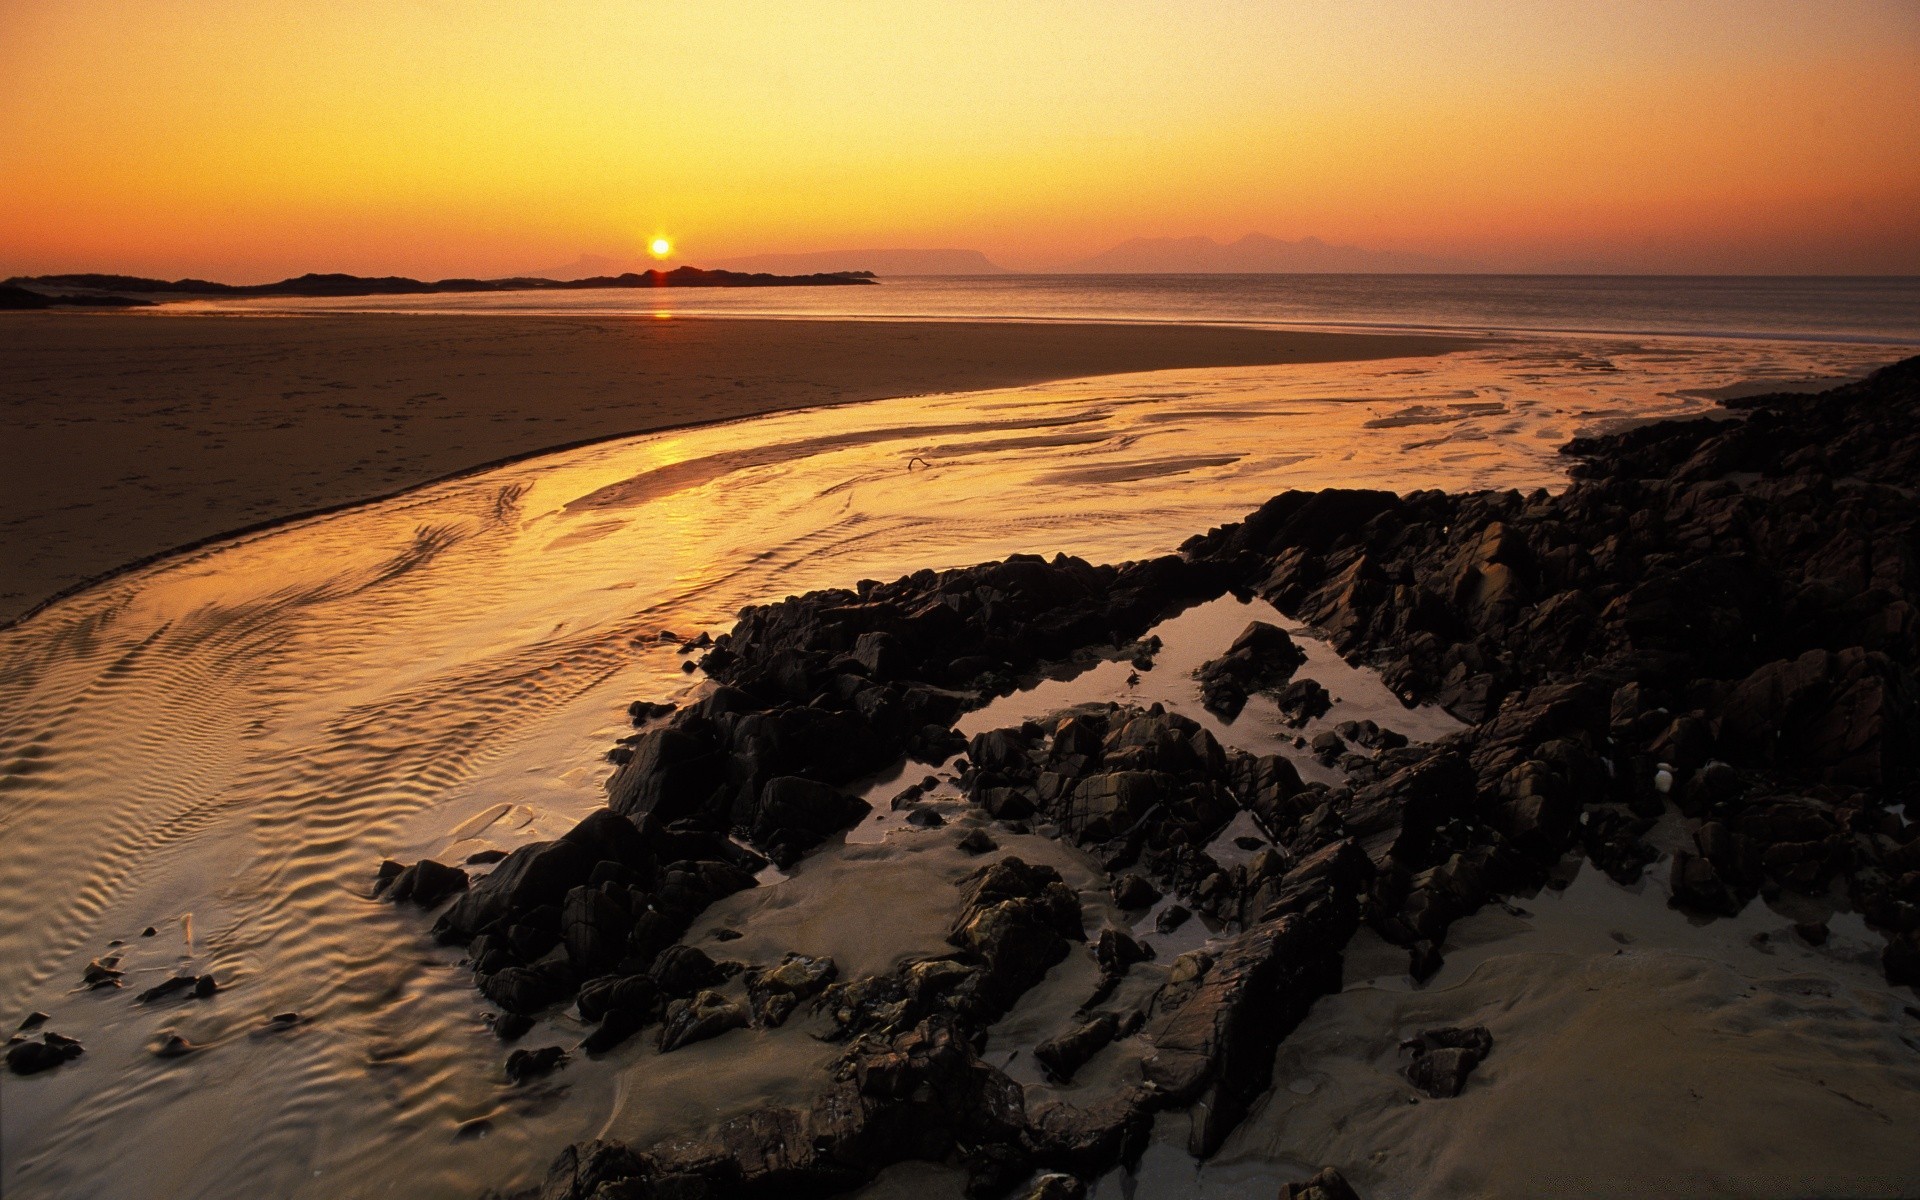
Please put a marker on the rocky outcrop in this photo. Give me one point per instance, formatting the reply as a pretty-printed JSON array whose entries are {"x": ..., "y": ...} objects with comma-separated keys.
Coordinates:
[{"x": 1715, "y": 618}]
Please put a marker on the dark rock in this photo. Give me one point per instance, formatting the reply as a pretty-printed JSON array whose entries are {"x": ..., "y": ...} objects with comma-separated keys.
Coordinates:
[
  {"x": 31, "y": 1058},
  {"x": 482, "y": 858},
  {"x": 706, "y": 1015},
  {"x": 630, "y": 993},
  {"x": 426, "y": 883},
  {"x": 523, "y": 1065},
  {"x": 1263, "y": 657},
  {"x": 1017, "y": 921},
  {"x": 776, "y": 991},
  {"x": 1172, "y": 917},
  {"x": 1443, "y": 1058},
  {"x": 680, "y": 971},
  {"x": 1132, "y": 891},
  {"x": 33, "y": 1020},
  {"x": 1326, "y": 1184},
  {"x": 1055, "y": 1186},
  {"x": 1066, "y": 1053},
  {"x": 1217, "y": 1044},
  {"x": 1303, "y": 700},
  {"x": 165, "y": 988},
  {"x": 925, "y": 818},
  {"x": 524, "y": 990},
  {"x": 172, "y": 1045},
  {"x": 102, "y": 973},
  {"x": 977, "y": 841},
  {"x": 1116, "y": 950}
]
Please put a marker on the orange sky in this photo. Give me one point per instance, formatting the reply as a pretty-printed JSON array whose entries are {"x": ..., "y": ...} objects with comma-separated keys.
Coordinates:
[{"x": 247, "y": 141}]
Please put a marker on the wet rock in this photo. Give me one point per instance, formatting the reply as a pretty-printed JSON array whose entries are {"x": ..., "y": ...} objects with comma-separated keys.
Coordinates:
[
  {"x": 202, "y": 986},
  {"x": 527, "y": 991},
  {"x": 1056, "y": 1186},
  {"x": 102, "y": 973},
  {"x": 1133, "y": 891},
  {"x": 1327, "y": 747},
  {"x": 1172, "y": 917},
  {"x": 978, "y": 841},
  {"x": 706, "y": 1015},
  {"x": 33, "y": 1020},
  {"x": 680, "y": 971},
  {"x": 523, "y": 1065},
  {"x": 484, "y": 858},
  {"x": 426, "y": 883},
  {"x": 31, "y": 1058},
  {"x": 1066, "y": 1053},
  {"x": 1263, "y": 657},
  {"x": 1443, "y": 1058},
  {"x": 1017, "y": 921},
  {"x": 925, "y": 818},
  {"x": 172, "y": 1045},
  {"x": 776, "y": 991},
  {"x": 535, "y": 874},
  {"x": 1326, "y": 1184},
  {"x": 1216, "y": 1046},
  {"x": 1370, "y": 734},
  {"x": 642, "y": 711},
  {"x": 1116, "y": 950},
  {"x": 794, "y": 814},
  {"x": 637, "y": 994},
  {"x": 509, "y": 1027},
  {"x": 1302, "y": 701}
]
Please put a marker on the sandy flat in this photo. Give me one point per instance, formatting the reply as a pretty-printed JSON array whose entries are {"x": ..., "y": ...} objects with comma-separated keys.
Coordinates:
[{"x": 128, "y": 435}]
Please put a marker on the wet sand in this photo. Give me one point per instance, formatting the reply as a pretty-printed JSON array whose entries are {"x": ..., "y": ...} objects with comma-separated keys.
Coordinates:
[
  {"x": 224, "y": 744},
  {"x": 132, "y": 435}
]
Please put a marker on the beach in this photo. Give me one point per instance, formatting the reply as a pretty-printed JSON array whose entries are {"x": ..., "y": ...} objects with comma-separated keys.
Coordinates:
[{"x": 133, "y": 435}]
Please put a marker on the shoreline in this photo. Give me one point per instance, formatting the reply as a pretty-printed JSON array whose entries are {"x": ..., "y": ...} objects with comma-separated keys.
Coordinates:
[{"x": 331, "y": 373}]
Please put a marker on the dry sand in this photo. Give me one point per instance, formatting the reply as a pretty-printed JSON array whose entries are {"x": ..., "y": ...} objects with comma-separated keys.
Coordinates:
[{"x": 129, "y": 435}]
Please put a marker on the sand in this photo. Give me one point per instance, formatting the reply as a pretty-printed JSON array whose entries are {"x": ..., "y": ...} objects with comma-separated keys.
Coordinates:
[{"x": 129, "y": 435}]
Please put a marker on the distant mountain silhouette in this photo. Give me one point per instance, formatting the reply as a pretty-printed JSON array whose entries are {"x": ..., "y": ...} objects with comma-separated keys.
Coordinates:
[
  {"x": 1255, "y": 253},
  {"x": 395, "y": 285},
  {"x": 880, "y": 262}
]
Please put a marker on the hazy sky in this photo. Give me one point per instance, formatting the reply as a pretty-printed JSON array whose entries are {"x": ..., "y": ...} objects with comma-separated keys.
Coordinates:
[{"x": 249, "y": 140}]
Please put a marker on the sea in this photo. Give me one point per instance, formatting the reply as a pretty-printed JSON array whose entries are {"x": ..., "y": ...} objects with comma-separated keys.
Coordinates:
[{"x": 1883, "y": 309}]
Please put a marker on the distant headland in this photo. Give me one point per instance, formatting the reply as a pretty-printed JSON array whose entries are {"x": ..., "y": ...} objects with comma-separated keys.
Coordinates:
[{"x": 122, "y": 291}]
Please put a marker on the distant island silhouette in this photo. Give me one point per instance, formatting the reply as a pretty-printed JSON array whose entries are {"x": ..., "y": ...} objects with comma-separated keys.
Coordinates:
[{"x": 44, "y": 291}]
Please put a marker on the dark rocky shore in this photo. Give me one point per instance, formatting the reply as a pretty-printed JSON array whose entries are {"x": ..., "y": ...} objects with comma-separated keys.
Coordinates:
[{"x": 1714, "y": 623}]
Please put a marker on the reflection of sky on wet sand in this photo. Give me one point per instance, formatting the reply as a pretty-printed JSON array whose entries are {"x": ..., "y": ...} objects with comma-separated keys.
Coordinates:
[{"x": 243, "y": 732}]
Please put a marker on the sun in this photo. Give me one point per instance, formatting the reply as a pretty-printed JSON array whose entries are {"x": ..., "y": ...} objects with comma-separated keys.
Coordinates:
[{"x": 661, "y": 247}]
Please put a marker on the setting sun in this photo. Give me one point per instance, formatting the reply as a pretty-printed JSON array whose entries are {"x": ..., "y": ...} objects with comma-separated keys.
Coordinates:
[{"x": 661, "y": 247}]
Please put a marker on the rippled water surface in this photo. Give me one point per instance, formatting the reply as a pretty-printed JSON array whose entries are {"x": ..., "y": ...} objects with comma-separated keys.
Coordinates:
[{"x": 223, "y": 746}]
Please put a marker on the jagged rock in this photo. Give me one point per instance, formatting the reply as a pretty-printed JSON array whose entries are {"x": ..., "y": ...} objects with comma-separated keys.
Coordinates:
[
  {"x": 706, "y": 1015},
  {"x": 1326, "y": 1184},
  {"x": 1261, "y": 658},
  {"x": 426, "y": 883},
  {"x": 776, "y": 991},
  {"x": 523, "y": 1065},
  {"x": 1132, "y": 891},
  {"x": 1217, "y": 1045},
  {"x": 1303, "y": 700},
  {"x": 31, "y": 1058},
  {"x": 1055, "y": 1186},
  {"x": 1018, "y": 921},
  {"x": 1443, "y": 1058},
  {"x": 1066, "y": 1053},
  {"x": 680, "y": 971}
]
